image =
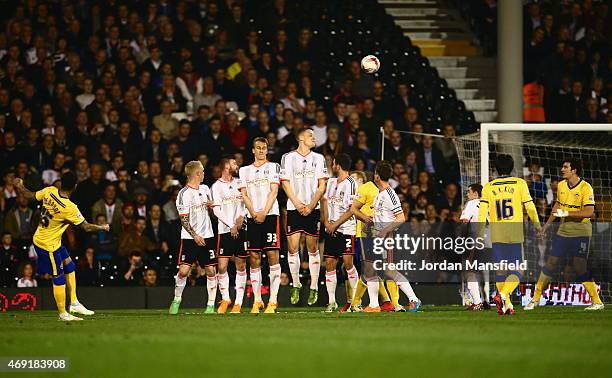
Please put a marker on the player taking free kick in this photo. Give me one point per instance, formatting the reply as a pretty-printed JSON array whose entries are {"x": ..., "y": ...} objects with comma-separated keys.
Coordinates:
[
  {"x": 57, "y": 213},
  {"x": 197, "y": 237},
  {"x": 304, "y": 174},
  {"x": 259, "y": 186}
]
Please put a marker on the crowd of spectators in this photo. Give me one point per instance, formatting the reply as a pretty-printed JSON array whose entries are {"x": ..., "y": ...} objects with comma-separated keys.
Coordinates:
[
  {"x": 125, "y": 93},
  {"x": 567, "y": 49},
  {"x": 567, "y": 46}
]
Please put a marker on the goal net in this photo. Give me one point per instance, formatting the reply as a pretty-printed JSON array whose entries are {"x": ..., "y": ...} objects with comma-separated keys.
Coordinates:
[{"x": 538, "y": 152}]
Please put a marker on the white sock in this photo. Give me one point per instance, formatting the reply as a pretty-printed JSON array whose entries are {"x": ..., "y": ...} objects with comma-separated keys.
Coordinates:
[
  {"x": 256, "y": 283},
  {"x": 179, "y": 286},
  {"x": 331, "y": 280},
  {"x": 353, "y": 279},
  {"x": 314, "y": 265},
  {"x": 241, "y": 278},
  {"x": 211, "y": 287},
  {"x": 474, "y": 292},
  {"x": 275, "y": 273},
  {"x": 404, "y": 285},
  {"x": 294, "y": 268},
  {"x": 224, "y": 286},
  {"x": 373, "y": 291}
]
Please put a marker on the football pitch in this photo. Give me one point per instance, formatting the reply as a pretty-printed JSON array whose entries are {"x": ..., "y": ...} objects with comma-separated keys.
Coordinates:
[{"x": 438, "y": 341}]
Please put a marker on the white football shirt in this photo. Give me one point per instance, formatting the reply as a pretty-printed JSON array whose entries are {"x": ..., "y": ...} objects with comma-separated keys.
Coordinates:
[
  {"x": 228, "y": 203},
  {"x": 340, "y": 196},
  {"x": 257, "y": 181},
  {"x": 303, "y": 173},
  {"x": 386, "y": 206},
  {"x": 470, "y": 212},
  {"x": 194, "y": 202}
]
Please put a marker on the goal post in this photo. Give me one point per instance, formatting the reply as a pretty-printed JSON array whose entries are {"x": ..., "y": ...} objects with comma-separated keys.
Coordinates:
[{"x": 538, "y": 151}]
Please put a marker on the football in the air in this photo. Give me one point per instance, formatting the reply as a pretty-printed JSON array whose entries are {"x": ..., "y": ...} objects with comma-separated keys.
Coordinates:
[{"x": 370, "y": 64}]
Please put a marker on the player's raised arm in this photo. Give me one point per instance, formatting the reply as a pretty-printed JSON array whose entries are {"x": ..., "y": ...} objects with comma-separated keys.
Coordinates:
[
  {"x": 18, "y": 183},
  {"x": 90, "y": 227}
]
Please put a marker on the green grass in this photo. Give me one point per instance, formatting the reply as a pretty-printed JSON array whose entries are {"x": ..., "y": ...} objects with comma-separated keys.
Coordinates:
[{"x": 439, "y": 341}]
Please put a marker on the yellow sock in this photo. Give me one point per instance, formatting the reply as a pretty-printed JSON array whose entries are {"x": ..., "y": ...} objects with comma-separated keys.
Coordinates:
[
  {"x": 542, "y": 283},
  {"x": 348, "y": 290},
  {"x": 499, "y": 286},
  {"x": 361, "y": 289},
  {"x": 59, "y": 292},
  {"x": 384, "y": 294},
  {"x": 512, "y": 282},
  {"x": 71, "y": 283},
  {"x": 393, "y": 292},
  {"x": 592, "y": 290}
]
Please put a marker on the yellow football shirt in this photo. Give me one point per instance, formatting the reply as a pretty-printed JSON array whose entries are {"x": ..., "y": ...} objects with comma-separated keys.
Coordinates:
[
  {"x": 57, "y": 214},
  {"x": 503, "y": 199},
  {"x": 574, "y": 199},
  {"x": 366, "y": 193}
]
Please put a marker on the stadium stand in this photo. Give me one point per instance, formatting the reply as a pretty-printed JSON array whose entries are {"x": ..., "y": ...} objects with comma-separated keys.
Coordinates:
[{"x": 125, "y": 93}]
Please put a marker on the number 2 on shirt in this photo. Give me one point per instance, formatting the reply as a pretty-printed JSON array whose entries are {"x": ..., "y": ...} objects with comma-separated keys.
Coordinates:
[{"x": 504, "y": 209}]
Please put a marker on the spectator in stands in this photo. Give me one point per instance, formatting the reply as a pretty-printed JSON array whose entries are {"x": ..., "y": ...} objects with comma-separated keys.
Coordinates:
[
  {"x": 90, "y": 190},
  {"x": 88, "y": 269},
  {"x": 362, "y": 84},
  {"x": 135, "y": 240},
  {"x": 9, "y": 259},
  {"x": 25, "y": 273},
  {"x": 411, "y": 166},
  {"x": 132, "y": 269},
  {"x": 430, "y": 158},
  {"x": 237, "y": 134},
  {"x": 218, "y": 143},
  {"x": 320, "y": 127},
  {"x": 401, "y": 101},
  {"x": 157, "y": 230},
  {"x": 19, "y": 221},
  {"x": 9, "y": 194},
  {"x": 149, "y": 277},
  {"x": 394, "y": 149},
  {"x": 333, "y": 145},
  {"x": 109, "y": 206},
  {"x": 104, "y": 242},
  {"x": 451, "y": 199}
]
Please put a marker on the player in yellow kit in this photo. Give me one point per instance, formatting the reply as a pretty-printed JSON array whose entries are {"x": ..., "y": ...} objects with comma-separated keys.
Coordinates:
[
  {"x": 57, "y": 213},
  {"x": 362, "y": 208},
  {"x": 574, "y": 207},
  {"x": 503, "y": 199}
]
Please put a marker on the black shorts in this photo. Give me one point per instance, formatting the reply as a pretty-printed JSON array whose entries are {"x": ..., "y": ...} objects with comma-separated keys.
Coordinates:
[
  {"x": 339, "y": 245},
  {"x": 191, "y": 252},
  {"x": 263, "y": 236},
  {"x": 309, "y": 225},
  {"x": 227, "y": 246}
]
